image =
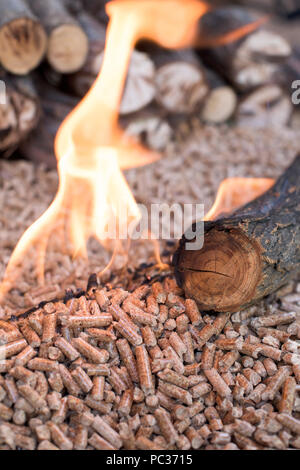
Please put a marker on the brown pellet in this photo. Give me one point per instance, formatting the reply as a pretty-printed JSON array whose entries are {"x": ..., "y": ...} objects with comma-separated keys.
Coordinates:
[
  {"x": 192, "y": 312},
  {"x": 94, "y": 355},
  {"x": 125, "y": 404},
  {"x": 288, "y": 396},
  {"x": 67, "y": 349},
  {"x": 87, "y": 321},
  {"x": 194, "y": 437},
  {"x": 165, "y": 425},
  {"x": 276, "y": 382},
  {"x": 129, "y": 333},
  {"x": 107, "y": 432},
  {"x": 59, "y": 438},
  {"x": 49, "y": 327},
  {"x": 173, "y": 391},
  {"x": 144, "y": 370},
  {"x": 68, "y": 380},
  {"x": 30, "y": 335},
  {"x": 217, "y": 382},
  {"x": 10, "y": 349}
]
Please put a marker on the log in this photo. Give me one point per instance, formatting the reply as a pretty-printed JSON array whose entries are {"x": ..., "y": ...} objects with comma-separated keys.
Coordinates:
[
  {"x": 19, "y": 113},
  {"x": 68, "y": 44},
  {"x": 181, "y": 85},
  {"x": 139, "y": 89},
  {"x": 248, "y": 62},
  {"x": 267, "y": 106},
  {"x": 23, "y": 40},
  {"x": 247, "y": 255},
  {"x": 220, "y": 104}
]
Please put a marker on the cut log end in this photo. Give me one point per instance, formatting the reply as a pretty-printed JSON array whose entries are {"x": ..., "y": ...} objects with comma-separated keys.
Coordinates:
[
  {"x": 224, "y": 274},
  {"x": 23, "y": 45},
  {"x": 181, "y": 87},
  {"x": 219, "y": 105},
  {"x": 67, "y": 48}
]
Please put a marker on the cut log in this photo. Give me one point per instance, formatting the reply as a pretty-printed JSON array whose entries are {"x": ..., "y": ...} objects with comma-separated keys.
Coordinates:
[
  {"x": 19, "y": 113},
  {"x": 248, "y": 62},
  {"x": 247, "y": 255},
  {"x": 23, "y": 40},
  {"x": 181, "y": 85},
  {"x": 268, "y": 106},
  {"x": 67, "y": 44},
  {"x": 220, "y": 105}
]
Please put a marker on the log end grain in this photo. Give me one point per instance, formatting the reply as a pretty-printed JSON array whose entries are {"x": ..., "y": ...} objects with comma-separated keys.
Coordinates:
[
  {"x": 23, "y": 43},
  {"x": 67, "y": 48},
  {"x": 223, "y": 275}
]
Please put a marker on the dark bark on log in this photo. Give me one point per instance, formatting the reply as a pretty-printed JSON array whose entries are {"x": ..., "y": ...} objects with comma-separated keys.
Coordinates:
[
  {"x": 23, "y": 40},
  {"x": 245, "y": 63},
  {"x": 248, "y": 255},
  {"x": 68, "y": 44},
  {"x": 19, "y": 114}
]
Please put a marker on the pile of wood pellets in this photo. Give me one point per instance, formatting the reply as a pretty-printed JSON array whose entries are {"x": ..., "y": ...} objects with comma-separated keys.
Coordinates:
[{"x": 112, "y": 369}]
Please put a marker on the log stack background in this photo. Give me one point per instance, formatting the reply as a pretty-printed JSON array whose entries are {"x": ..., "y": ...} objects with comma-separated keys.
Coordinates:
[{"x": 51, "y": 52}]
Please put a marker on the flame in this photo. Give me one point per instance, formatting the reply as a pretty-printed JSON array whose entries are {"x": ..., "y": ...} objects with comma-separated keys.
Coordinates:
[
  {"x": 236, "y": 192},
  {"x": 90, "y": 148}
]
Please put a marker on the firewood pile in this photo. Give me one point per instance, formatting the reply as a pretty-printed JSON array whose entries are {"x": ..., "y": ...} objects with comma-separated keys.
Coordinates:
[{"x": 52, "y": 51}]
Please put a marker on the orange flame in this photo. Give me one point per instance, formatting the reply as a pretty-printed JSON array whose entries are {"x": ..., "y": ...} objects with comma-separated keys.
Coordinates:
[
  {"x": 91, "y": 149},
  {"x": 236, "y": 192}
]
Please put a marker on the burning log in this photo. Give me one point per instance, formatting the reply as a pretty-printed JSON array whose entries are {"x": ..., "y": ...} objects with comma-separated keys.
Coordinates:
[
  {"x": 23, "y": 39},
  {"x": 68, "y": 44},
  {"x": 247, "y": 255},
  {"x": 248, "y": 62},
  {"x": 267, "y": 106},
  {"x": 140, "y": 87},
  {"x": 19, "y": 114}
]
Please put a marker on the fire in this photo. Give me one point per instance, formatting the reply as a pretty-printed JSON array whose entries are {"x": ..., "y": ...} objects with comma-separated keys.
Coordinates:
[
  {"x": 91, "y": 149},
  {"x": 235, "y": 192}
]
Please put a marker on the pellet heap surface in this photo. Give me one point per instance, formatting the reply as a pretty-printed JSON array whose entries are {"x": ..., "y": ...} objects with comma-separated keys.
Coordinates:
[
  {"x": 144, "y": 369},
  {"x": 113, "y": 369}
]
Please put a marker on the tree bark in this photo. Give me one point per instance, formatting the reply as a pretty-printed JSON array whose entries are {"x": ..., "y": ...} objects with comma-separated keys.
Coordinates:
[
  {"x": 23, "y": 40},
  {"x": 68, "y": 44},
  {"x": 248, "y": 255}
]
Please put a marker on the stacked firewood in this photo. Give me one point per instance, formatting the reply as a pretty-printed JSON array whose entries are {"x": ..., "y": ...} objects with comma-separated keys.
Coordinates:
[{"x": 51, "y": 53}]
